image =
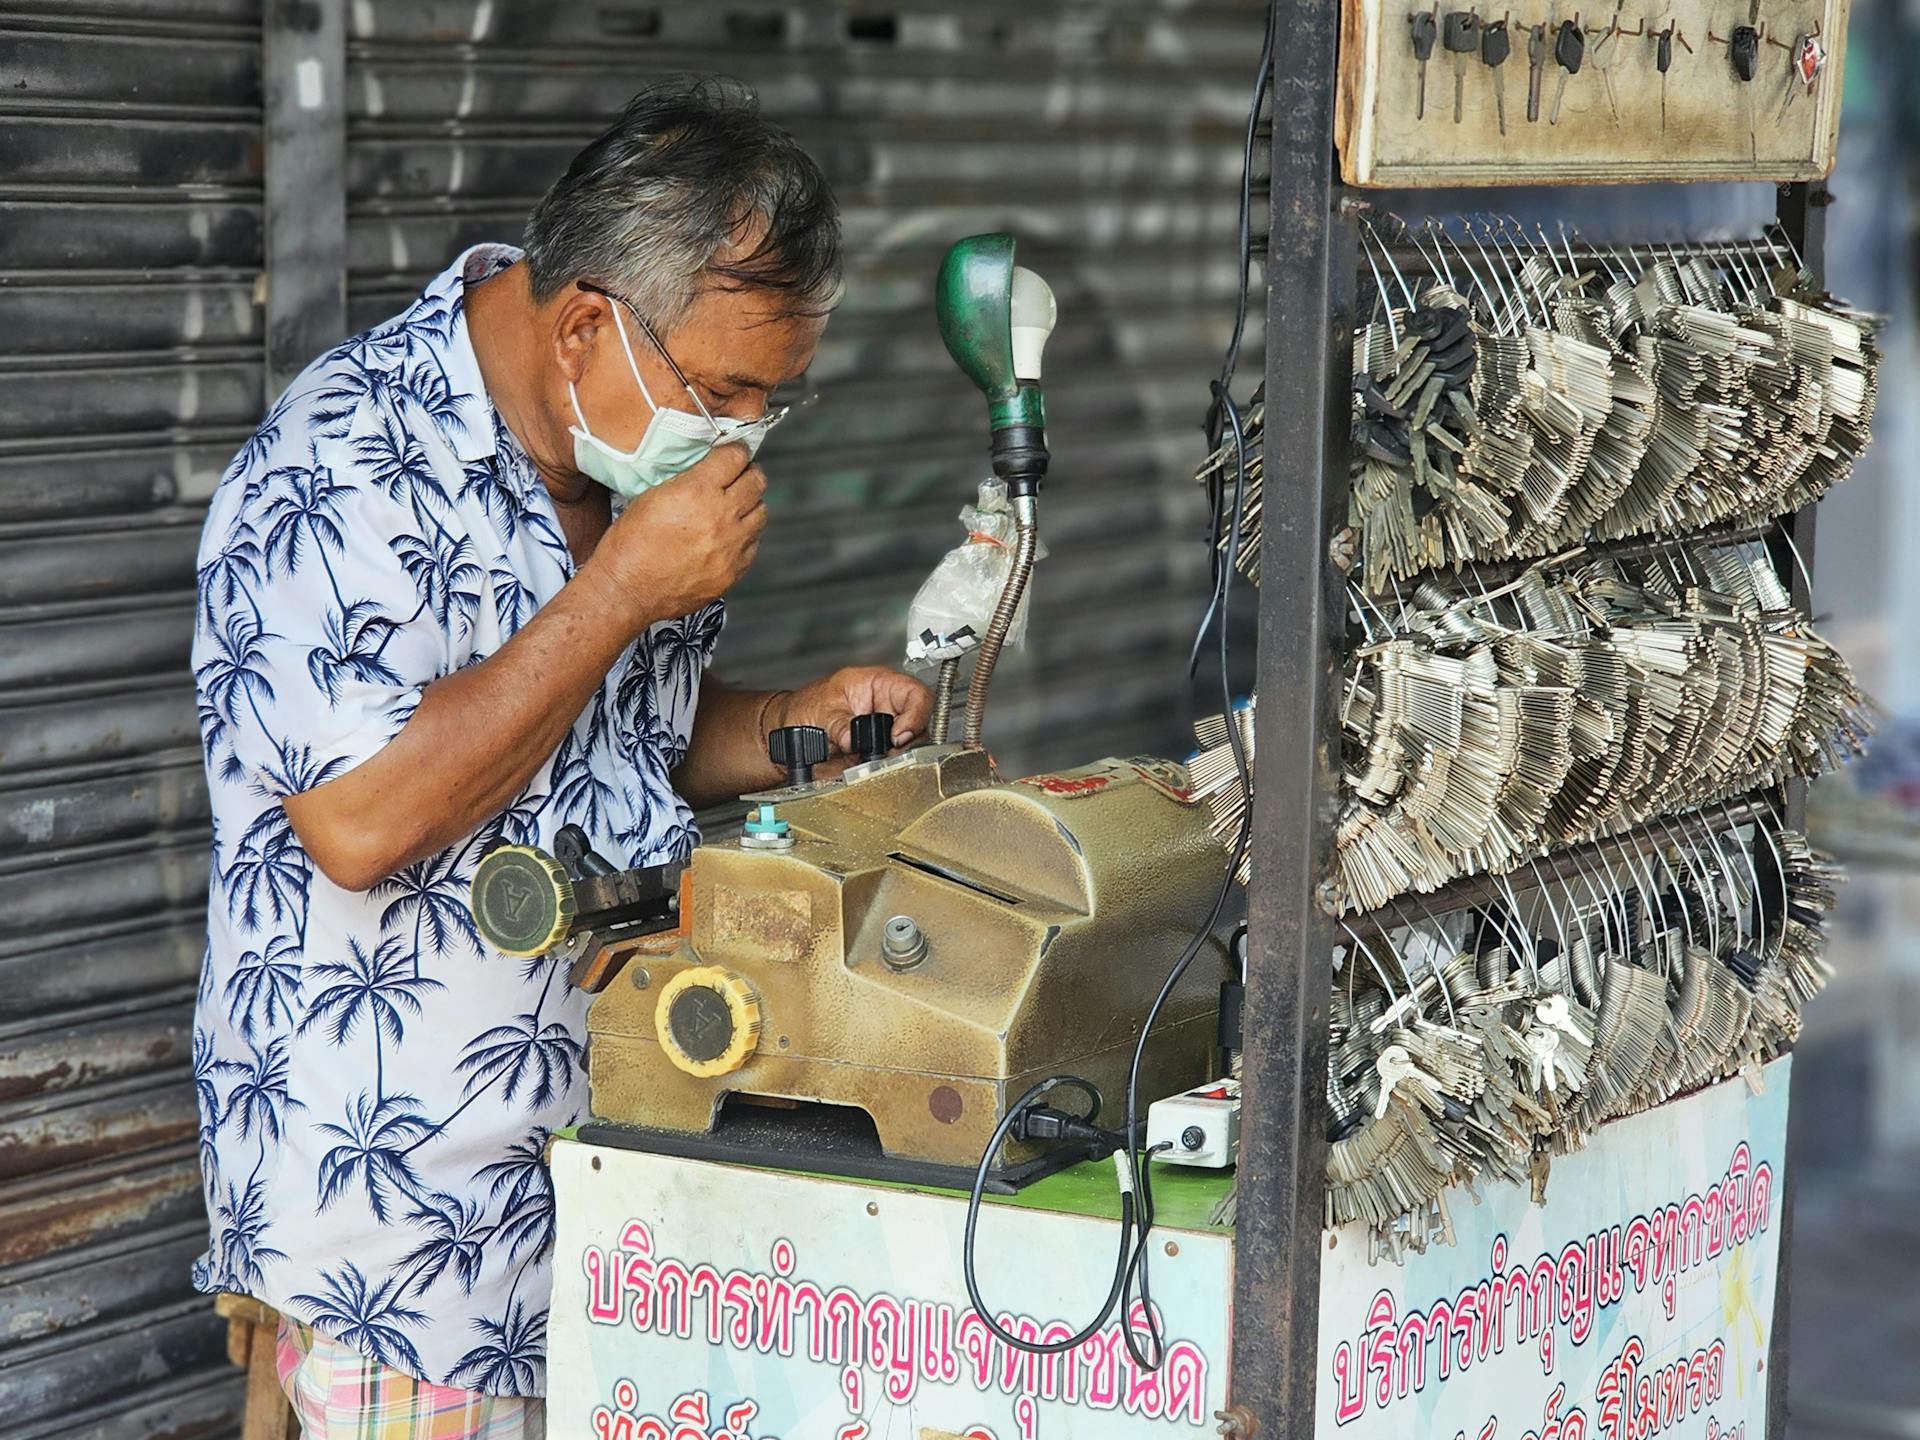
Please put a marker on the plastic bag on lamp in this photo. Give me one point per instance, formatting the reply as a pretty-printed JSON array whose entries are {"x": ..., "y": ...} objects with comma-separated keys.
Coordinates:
[{"x": 950, "y": 613}]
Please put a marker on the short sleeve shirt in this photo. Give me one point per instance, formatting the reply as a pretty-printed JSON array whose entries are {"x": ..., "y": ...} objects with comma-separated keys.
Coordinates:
[{"x": 376, "y": 1085}]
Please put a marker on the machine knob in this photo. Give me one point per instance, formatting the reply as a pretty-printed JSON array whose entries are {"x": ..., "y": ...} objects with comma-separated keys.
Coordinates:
[
  {"x": 707, "y": 1020},
  {"x": 522, "y": 900},
  {"x": 574, "y": 849},
  {"x": 797, "y": 749},
  {"x": 872, "y": 735}
]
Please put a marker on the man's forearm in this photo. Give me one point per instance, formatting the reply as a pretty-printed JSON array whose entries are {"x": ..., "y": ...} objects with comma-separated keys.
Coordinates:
[
  {"x": 478, "y": 736},
  {"x": 727, "y": 754}
]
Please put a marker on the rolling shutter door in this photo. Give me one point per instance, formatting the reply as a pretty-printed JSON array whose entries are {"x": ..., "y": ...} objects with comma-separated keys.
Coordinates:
[
  {"x": 130, "y": 250},
  {"x": 1107, "y": 136}
]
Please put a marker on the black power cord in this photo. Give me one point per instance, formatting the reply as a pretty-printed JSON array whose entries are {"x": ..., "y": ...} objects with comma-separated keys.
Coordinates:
[
  {"x": 1222, "y": 389},
  {"x": 1218, "y": 615},
  {"x": 1131, "y": 1275},
  {"x": 1027, "y": 1119},
  {"x": 1014, "y": 1116}
]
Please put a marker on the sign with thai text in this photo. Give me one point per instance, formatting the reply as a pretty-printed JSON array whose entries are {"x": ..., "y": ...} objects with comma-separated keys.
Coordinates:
[
  {"x": 1636, "y": 1303},
  {"x": 695, "y": 1301}
]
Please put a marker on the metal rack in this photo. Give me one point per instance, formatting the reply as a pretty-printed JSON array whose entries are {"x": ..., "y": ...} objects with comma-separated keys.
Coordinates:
[{"x": 1312, "y": 265}]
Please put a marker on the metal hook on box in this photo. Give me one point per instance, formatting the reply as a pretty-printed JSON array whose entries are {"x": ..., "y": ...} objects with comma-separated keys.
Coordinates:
[
  {"x": 1753, "y": 874},
  {"x": 1505, "y": 320},
  {"x": 1486, "y": 292},
  {"x": 1412, "y": 984},
  {"x": 1528, "y": 951},
  {"x": 1371, "y": 236},
  {"x": 1374, "y": 960}
]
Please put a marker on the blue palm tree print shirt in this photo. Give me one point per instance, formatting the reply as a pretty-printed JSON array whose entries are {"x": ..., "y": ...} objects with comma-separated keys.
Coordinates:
[{"x": 375, "y": 1084}]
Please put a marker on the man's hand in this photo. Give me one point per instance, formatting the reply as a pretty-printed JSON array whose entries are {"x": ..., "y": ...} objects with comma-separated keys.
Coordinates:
[
  {"x": 482, "y": 732},
  {"x": 728, "y": 756},
  {"x": 831, "y": 703},
  {"x": 684, "y": 544}
]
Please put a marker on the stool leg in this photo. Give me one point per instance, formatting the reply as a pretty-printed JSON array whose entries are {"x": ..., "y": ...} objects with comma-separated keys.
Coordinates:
[{"x": 269, "y": 1416}]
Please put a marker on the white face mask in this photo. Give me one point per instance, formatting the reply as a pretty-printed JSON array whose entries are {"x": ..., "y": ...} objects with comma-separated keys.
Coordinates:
[{"x": 673, "y": 442}]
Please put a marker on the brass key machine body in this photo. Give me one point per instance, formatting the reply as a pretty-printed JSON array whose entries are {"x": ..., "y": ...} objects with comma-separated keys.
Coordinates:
[{"x": 916, "y": 940}]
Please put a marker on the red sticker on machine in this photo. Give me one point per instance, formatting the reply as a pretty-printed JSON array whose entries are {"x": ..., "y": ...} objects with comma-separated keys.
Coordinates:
[{"x": 1069, "y": 787}]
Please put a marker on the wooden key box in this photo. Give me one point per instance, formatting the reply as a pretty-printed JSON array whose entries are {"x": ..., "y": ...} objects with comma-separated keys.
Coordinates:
[{"x": 1617, "y": 118}]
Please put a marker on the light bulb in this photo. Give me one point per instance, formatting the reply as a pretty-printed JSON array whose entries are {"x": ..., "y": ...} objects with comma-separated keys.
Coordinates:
[{"x": 1032, "y": 313}]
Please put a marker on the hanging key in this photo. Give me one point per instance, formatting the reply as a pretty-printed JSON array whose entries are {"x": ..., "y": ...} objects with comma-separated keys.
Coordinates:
[
  {"x": 1425, "y": 30},
  {"x": 1663, "y": 62},
  {"x": 1804, "y": 69},
  {"x": 1495, "y": 45},
  {"x": 1808, "y": 60},
  {"x": 1569, "y": 49},
  {"x": 1461, "y": 37},
  {"x": 1793, "y": 74},
  {"x": 1537, "y": 52},
  {"x": 1743, "y": 49},
  {"x": 1395, "y": 1067},
  {"x": 1605, "y": 51}
]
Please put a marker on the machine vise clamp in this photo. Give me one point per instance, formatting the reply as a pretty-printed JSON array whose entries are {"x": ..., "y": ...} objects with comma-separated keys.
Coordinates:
[{"x": 529, "y": 903}]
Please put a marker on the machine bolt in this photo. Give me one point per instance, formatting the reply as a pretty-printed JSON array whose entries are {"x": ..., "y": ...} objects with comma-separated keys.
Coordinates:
[
  {"x": 902, "y": 945},
  {"x": 1193, "y": 1138},
  {"x": 1237, "y": 1422},
  {"x": 765, "y": 830},
  {"x": 639, "y": 976}
]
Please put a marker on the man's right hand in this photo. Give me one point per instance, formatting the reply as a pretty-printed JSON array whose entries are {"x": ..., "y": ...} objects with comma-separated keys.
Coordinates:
[
  {"x": 685, "y": 543},
  {"x": 479, "y": 734}
]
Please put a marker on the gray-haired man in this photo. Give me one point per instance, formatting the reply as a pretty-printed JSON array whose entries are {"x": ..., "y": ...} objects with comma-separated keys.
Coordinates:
[{"x": 464, "y": 583}]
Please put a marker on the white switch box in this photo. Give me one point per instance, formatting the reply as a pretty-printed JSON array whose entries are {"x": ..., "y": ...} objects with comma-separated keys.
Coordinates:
[{"x": 1200, "y": 1127}]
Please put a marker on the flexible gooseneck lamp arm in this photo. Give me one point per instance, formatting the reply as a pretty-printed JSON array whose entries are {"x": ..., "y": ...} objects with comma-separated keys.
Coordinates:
[{"x": 995, "y": 317}]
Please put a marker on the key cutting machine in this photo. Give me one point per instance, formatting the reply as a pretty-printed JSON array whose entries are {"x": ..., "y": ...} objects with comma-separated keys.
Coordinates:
[{"x": 915, "y": 942}]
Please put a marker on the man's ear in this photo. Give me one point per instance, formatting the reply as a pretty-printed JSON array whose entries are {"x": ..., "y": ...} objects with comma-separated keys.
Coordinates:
[{"x": 581, "y": 323}]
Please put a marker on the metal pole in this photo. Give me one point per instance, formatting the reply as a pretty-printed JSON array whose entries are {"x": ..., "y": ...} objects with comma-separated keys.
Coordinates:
[
  {"x": 1802, "y": 212},
  {"x": 304, "y": 64},
  {"x": 1311, "y": 262}
]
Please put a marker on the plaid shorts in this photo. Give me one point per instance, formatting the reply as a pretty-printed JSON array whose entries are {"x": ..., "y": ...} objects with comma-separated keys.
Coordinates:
[{"x": 339, "y": 1394}]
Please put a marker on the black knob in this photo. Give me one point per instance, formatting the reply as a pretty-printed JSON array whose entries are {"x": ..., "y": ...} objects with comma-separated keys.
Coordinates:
[
  {"x": 797, "y": 749},
  {"x": 872, "y": 735},
  {"x": 574, "y": 849}
]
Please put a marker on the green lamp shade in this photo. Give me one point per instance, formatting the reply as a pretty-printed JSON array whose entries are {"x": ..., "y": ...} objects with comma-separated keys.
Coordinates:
[{"x": 973, "y": 301}]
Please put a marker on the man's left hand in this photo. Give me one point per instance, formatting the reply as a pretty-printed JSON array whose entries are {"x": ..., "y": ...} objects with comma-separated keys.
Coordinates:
[{"x": 832, "y": 702}]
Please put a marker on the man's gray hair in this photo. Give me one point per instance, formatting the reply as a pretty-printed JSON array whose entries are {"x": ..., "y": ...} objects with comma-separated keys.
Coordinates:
[{"x": 660, "y": 206}]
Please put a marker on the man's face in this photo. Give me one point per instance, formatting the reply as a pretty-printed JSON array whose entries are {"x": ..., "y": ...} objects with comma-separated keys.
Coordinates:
[{"x": 734, "y": 348}]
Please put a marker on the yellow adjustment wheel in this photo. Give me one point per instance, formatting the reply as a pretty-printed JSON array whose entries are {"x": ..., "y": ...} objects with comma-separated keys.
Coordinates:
[
  {"x": 708, "y": 1020},
  {"x": 522, "y": 900}
]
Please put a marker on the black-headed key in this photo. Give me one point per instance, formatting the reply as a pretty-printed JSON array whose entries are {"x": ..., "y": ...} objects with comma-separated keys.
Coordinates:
[
  {"x": 1461, "y": 36},
  {"x": 1663, "y": 62},
  {"x": 1425, "y": 31},
  {"x": 1537, "y": 52},
  {"x": 1569, "y": 49},
  {"x": 1743, "y": 49},
  {"x": 1496, "y": 43}
]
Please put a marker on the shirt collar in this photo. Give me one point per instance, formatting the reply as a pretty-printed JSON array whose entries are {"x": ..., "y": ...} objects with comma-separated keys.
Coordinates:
[{"x": 441, "y": 311}]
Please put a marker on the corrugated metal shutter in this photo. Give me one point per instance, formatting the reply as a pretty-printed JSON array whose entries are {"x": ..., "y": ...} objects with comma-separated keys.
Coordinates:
[
  {"x": 1106, "y": 135},
  {"x": 130, "y": 251},
  {"x": 130, "y": 348}
]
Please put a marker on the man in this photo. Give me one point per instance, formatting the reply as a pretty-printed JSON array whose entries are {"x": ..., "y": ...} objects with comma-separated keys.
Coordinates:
[{"x": 464, "y": 583}]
